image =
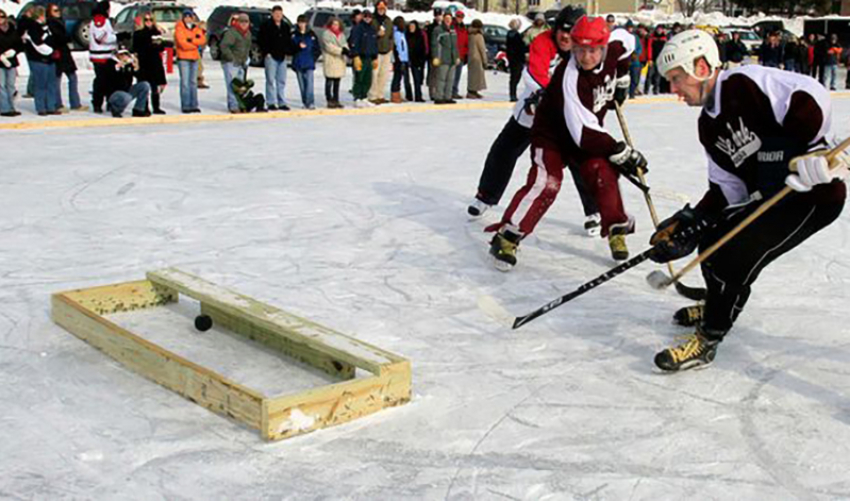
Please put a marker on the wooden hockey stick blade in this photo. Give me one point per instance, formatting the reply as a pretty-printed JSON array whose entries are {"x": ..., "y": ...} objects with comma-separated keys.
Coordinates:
[
  {"x": 694, "y": 293},
  {"x": 495, "y": 310}
]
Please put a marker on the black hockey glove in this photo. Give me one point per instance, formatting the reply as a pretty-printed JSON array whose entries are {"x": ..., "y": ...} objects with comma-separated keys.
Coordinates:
[
  {"x": 622, "y": 90},
  {"x": 678, "y": 235},
  {"x": 628, "y": 160},
  {"x": 532, "y": 101}
]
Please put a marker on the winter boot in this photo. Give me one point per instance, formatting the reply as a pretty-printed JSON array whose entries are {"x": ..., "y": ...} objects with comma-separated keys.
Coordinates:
[
  {"x": 695, "y": 351},
  {"x": 396, "y": 98},
  {"x": 477, "y": 208},
  {"x": 689, "y": 316},
  {"x": 593, "y": 225},
  {"x": 503, "y": 248}
]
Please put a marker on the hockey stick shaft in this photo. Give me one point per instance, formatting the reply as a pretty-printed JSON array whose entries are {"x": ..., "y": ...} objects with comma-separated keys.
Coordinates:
[
  {"x": 596, "y": 282},
  {"x": 624, "y": 126},
  {"x": 775, "y": 199}
]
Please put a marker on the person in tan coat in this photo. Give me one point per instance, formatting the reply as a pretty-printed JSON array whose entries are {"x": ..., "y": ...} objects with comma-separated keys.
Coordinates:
[
  {"x": 476, "y": 79},
  {"x": 334, "y": 52}
]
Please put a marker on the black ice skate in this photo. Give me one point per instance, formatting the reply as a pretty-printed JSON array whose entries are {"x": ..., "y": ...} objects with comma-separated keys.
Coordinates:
[
  {"x": 503, "y": 248},
  {"x": 689, "y": 316},
  {"x": 593, "y": 225},
  {"x": 695, "y": 352}
]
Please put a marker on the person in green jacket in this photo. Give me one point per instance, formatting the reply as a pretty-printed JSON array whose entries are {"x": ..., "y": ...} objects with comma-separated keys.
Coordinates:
[
  {"x": 235, "y": 48},
  {"x": 444, "y": 58}
]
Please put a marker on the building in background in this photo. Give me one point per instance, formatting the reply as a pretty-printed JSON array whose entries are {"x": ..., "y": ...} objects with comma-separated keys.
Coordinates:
[{"x": 594, "y": 7}]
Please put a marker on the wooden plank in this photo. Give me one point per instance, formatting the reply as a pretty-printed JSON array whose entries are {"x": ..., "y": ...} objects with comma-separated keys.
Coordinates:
[
  {"x": 302, "y": 331},
  {"x": 126, "y": 296},
  {"x": 302, "y": 352},
  {"x": 190, "y": 380},
  {"x": 308, "y": 411}
]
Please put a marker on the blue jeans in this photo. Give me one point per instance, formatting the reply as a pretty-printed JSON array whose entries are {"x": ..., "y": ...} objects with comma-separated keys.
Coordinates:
[
  {"x": 275, "y": 82},
  {"x": 45, "y": 86},
  {"x": 634, "y": 78},
  {"x": 119, "y": 100},
  {"x": 456, "y": 83},
  {"x": 7, "y": 89},
  {"x": 791, "y": 65},
  {"x": 305, "y": 83},
  {"x": 73, "y": 90},
  {"x": 830, "y": 71},
  {"x": 188, "y": 84},
  {"x": 232, "y": 71}
]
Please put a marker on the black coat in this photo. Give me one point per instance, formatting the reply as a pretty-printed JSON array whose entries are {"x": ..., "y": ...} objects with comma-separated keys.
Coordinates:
[
  {"x": 416, "y": 48},
  {"x": 147, "y": 44},
  {"x": 515, "y": 48},
  {"x": 11, "y": 39},
  {"x": 735, "y": 51},
  {"x": 275, "y": 41},
  {"x": 119, "y": 79},
  {"x": 65, "y": 63},
  {"x": 39, "y": 35}
]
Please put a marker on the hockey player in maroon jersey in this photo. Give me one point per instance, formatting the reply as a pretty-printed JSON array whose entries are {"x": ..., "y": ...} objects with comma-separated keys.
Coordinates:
[
  {"x": 568, "y": 130},
  {"x": 546, "y": 51},
  {"x": 762, "y": 128}
]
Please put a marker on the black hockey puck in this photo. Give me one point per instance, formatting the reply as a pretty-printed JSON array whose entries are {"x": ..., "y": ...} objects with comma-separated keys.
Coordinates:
[{"x": 203, "y": 323}]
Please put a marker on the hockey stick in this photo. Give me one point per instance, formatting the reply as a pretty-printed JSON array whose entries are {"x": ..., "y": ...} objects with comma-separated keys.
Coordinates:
[
  {"x": 492, "y": 307},
  {"x": 661, "y": 281},
  {"x": 694, "y": 293}
]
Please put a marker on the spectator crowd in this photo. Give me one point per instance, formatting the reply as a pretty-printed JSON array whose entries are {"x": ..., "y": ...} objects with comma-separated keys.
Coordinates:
[{"x": 382, "y": 52}]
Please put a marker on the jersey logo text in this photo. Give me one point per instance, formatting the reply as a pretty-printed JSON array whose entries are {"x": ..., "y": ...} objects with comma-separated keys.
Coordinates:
[
  {"x": 602, "y": 95},
  {"x": 741, "y": 146}
]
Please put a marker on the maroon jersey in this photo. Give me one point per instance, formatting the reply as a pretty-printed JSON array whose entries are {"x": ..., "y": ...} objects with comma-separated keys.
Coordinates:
[
  {"x": 754, "y": 123},
  {"x": 572, "y": 112}
]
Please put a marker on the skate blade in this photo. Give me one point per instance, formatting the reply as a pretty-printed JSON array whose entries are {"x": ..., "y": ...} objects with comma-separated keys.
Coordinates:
[
  {"x": 594, "y": 232},
  {"x": 501, "y": 265}
]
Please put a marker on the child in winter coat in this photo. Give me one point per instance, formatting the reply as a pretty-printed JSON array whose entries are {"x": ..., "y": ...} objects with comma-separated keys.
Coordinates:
[{"x": 307, "y": 51}]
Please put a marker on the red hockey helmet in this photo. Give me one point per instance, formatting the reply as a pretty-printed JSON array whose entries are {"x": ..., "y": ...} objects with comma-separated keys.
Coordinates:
[{"x": 590, "y": 31}]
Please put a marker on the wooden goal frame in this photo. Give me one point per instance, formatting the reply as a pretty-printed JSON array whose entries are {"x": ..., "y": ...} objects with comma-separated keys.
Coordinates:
[{"x": 82, "y": 311}]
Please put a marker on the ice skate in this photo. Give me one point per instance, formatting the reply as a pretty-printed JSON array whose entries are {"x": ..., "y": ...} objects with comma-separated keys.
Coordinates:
[
  {"x": 503, "y": 248},
  {"x": 593, "y": 225},
  {"x": 617, "y": 242},
  {"x": 695, "y": 351},
  {"x": 689, "y": 316},
  {"x": 477, "y": 208}
]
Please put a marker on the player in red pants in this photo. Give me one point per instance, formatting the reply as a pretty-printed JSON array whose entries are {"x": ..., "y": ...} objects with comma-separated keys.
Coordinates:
[{"x": 568, "y": 132}]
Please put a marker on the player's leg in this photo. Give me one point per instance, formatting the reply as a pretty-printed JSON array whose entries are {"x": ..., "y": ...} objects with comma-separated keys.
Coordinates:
[{"x": 499, "y": 166}]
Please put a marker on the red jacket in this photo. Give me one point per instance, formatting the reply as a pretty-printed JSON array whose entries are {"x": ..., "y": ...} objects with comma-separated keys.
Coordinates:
[
  {"x": 540, "y": 55},
  {"x": 462, "y": 41}
]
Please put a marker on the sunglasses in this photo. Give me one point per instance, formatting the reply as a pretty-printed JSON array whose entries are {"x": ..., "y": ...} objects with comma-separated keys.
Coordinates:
[{"x": 148, "y": 19}]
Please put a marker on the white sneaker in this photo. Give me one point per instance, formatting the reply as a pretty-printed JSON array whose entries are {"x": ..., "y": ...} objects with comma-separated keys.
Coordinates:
[
  {"x": 593, "y": 225},
  {"x": 477, "y": 208},
  {"x": 358, "y": 103}
]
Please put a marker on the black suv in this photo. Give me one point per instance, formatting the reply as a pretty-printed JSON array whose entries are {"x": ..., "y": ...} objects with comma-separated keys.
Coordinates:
[{"x": 219, "y": 21}]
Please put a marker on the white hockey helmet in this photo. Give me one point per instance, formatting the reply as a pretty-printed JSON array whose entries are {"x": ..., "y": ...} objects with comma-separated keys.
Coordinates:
[{"x": 684, "y": 49}]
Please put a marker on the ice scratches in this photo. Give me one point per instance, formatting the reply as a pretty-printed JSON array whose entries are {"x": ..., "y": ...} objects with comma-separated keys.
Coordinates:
[
  {"x": 401, "y": 454},
  {"x": 492, "y": 428}
]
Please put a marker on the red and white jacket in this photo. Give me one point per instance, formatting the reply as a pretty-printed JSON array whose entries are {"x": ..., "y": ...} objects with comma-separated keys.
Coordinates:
[
  {"x": 543, "y": 58},
  {"x": 102, "y": 40},
  {"x": 571, "y": 114}
]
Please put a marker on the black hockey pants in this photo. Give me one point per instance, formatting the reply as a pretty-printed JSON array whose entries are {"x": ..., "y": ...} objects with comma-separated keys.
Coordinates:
[
  {"x": 501, "y": 161},
  {"x": 730, "y": 272}
]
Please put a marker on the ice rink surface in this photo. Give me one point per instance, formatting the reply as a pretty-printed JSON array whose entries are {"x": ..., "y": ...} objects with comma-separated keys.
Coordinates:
[{"x": 359, "y": 223}]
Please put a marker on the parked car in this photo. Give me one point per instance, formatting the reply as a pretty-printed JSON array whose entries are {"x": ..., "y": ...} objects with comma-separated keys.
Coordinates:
[
  {"x": 318, "y": 18},
  {"x": 496, "y": 41},
  {"x": 219, "y": 21},
  {"x": 167, "y": 15},
  {"x": 77, "y": 15},
  {"x": 751, "y": 41}
]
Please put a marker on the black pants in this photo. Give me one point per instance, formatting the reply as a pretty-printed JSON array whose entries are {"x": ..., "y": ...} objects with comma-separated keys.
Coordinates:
[
  {"x": 332, "y": 90},
  {"x": 501, "y": 161},
  {"x": 418, "y": 77},
  {"x": 102, "y": 74},
  {"x": 400, "y": 72},
  {"x": 516, "y": 74},
  {"x": 732, "y": 270}
]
